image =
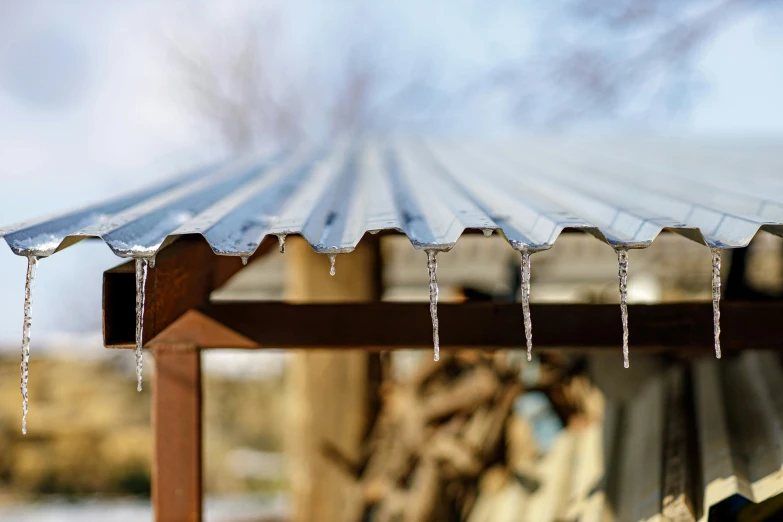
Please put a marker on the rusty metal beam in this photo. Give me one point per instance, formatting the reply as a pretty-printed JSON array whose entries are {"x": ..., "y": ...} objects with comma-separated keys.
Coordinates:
[
  {"x": 176, "y": 424},
  {"x": 185, "y": 274},
  {"x": 379, "y": 326}
]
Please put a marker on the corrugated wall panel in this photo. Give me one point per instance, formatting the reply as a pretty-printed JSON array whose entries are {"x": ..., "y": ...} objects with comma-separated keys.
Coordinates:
[{"x": 691, "y": 439}]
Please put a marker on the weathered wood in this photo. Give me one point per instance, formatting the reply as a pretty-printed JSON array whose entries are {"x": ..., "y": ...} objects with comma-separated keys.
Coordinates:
[
  {"x": 466, "y": 394},
  {"x": 393, "y": 506},
  {"x": 455, "y": 458},
  {"x": 185, "y": 274},
  {"x": 500, "y": 499},
  {"x": 386, "y": 326},
  {"x": 497, "y": 420},
  {"x": 423, "y": 497},
  {"x": 438, "y": 431},
  {"x": 332, "y": 394},
  {"x": 176, "y": 425}
]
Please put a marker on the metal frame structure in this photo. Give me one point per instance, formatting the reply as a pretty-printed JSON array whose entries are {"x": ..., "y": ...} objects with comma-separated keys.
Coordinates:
[
  {"x": 180, "y": 321},
  {"x": 625, "y": 192}
]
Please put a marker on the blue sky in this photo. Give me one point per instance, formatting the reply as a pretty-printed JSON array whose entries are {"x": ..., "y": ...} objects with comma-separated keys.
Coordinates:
[{"x": 89, "y": 107}]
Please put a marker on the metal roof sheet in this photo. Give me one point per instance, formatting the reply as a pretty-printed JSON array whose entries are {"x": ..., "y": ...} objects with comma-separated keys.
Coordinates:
[
  {"x": 623, "y": 191},
  {"x": 690, "y": 440}
]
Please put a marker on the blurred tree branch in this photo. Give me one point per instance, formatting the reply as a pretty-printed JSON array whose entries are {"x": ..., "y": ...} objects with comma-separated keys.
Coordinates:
[{"x": 592, "y": 59}]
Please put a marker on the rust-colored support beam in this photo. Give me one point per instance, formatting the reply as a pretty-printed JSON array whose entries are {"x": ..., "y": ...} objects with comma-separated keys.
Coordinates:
[
  {"x": 381, "y": 326},
  {"x": 185, "y": 274},
  {"x": 176, "y": 425}
]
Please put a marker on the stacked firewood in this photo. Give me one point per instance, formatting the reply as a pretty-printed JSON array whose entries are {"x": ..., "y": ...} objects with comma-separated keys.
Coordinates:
[{"x": 443, "y": 437}]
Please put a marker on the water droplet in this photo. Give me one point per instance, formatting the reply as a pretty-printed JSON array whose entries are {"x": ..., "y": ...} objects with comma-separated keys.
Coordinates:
[
  {"x": 332, "y": 259},
  {"x": 141, "y": 281},
  {"x": 716, "y": 257},
  {"x": 525, "y": 287},
  {"x": 487, "y": 232},
  {"x": 281, "y": 241},
  {"x": 432, "y": 269},
  {"x": 32, "y": 268},
  {"x": 622, "y": 260},
  {"x": 244, "y": 260}
]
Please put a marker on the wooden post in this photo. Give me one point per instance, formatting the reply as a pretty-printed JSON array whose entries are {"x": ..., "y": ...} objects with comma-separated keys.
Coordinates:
[
  {"x": 176, "y": 425},
  {"x": 332, "y": 394}
]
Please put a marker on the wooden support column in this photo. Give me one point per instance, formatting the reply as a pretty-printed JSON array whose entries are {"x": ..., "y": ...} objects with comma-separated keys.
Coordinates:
[
  {"x": 331, "y": 393},
  {"x": 176, "y": 424}
]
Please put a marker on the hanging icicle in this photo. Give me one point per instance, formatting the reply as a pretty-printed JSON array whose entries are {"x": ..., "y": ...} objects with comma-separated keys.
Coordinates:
[
  {"x": 141, "y": 281},
  {"x": 622, "y": 259},
  {"x": 525, "y": 288},
  {"x": 332, "y": 259},
  {"x": 281, "y": 241},
  {"x": 432, "y": 268},
  {"x": 244, "y": 260},
  {"x": 716, "y": 257},
  {"x": 32, "y": 269}
]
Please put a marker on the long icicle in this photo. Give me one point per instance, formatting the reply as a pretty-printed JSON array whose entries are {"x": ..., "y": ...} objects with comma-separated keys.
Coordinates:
[
  {"x": 432, "y": 268},
  {"x": 332, "y": 259},
  {"x": 716, "y": 255},
  {"x": 32, "y": 268},
  {"x": 525, "y": 288},
  {"x": 141, "y": 281},
  {"x": 622, "y": 259}
]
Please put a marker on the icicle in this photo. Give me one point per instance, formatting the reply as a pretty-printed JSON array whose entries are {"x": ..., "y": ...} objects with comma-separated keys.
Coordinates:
[
  {"x": 141, "y": 281},
  {"x": 32, "y": 268},
  {"x": 487, "y": 231},
  {"x": 622, "y": 259},
  {"x": 281, "y": 240},
  {"x": 716, "y": 255},
  {"x": 332, "y": 259},
  {"x": 244, "y": 260},
  {"x": 526, "y": 302},
  {"x": 432, "y": 268},
  {"x": 152, "y": 261}
]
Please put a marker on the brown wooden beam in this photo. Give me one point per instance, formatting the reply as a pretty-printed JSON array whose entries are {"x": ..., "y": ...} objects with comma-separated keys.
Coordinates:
[
  {"x": 185, "y": 274},
  {"x": 686, "y": 326},
  {"x": 176, "y": 425}
]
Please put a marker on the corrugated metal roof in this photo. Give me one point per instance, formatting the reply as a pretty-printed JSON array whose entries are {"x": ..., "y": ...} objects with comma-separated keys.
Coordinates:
[
  {"x": 690, "y": 440},
  {"x": 624, "y": 192}
]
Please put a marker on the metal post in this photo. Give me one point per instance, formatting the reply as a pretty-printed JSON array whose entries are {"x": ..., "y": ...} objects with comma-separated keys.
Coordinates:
[{"x": 176, "y": 423}]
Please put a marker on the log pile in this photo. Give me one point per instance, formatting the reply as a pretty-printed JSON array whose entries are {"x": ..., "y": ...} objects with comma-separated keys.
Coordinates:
[{"x": 446, "y": 436}]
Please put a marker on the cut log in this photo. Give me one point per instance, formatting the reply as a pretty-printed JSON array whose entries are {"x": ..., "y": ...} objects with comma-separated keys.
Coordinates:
[
  {"x": 424, "y": 491},
  {"x": 455, "y": 458},
  {"x": 467, "y": 393},
  {"x": 448, "y": 446}
]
